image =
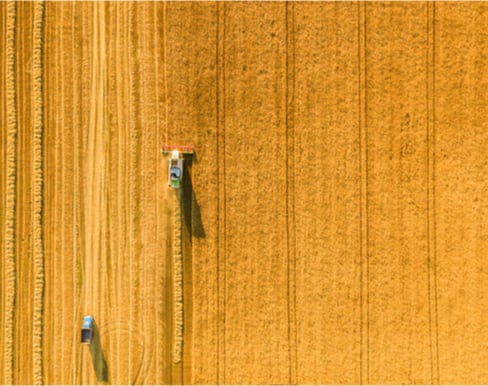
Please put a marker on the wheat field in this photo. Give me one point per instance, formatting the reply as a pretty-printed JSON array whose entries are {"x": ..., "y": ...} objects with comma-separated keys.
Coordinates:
[{"x": 332, "y": 224}]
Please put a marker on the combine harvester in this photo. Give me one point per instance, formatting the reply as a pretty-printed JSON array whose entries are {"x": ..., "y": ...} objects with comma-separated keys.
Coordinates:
[{"x": 175, "y": 164}]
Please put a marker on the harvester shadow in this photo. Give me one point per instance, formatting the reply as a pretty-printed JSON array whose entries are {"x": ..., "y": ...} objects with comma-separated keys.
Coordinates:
[
  {"x": 189, "y": 204},
  {"x": 98, "y": 358}
]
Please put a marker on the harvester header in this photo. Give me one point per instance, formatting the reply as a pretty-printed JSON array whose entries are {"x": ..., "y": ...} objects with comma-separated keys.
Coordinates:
[{"x": 182, "y": 149}]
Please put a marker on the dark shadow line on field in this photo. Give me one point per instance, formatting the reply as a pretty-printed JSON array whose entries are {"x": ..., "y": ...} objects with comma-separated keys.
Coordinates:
[
  {"x": 98, "y": 358},
  {"x": 189, "y": 203}
]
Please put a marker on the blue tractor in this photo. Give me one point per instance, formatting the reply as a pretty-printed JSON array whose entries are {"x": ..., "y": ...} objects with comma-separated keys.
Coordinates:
[{"x": 87, "y": 329}]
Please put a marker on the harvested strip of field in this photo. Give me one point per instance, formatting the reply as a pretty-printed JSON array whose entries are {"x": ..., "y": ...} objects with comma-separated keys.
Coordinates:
[
  {"x": 177, "y": 267},
  {"x": 63, "y": 193}
]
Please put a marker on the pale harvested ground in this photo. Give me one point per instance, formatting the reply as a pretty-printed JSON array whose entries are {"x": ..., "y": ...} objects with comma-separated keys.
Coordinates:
[{"x": 334, "y": 216}]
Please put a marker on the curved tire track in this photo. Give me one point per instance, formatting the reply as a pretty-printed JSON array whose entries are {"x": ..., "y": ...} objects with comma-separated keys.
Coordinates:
[{"x": 118, "y": 328}]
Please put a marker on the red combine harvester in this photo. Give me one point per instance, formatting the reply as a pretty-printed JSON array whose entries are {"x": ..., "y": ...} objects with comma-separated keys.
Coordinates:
[{"x": 175, "y": 164}]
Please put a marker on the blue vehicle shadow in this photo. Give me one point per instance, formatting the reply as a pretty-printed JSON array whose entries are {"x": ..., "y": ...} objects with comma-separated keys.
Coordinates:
[{"x": 98, "y": 358}]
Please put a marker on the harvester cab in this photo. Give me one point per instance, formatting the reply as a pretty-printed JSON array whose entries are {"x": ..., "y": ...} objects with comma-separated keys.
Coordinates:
[{"x": 175, "y": 163}]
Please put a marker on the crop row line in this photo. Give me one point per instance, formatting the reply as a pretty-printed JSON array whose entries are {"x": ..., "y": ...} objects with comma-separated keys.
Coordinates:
[
  {"x": 10, "y": 207},
  {"x": 177, "y": 281},
  {"x": 37, "y": 191}
]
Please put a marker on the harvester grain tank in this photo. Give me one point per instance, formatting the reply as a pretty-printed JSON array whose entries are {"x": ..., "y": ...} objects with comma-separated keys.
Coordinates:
[
  {"x": 175, "y": 163},
  {"x": 87, "y": 329}
]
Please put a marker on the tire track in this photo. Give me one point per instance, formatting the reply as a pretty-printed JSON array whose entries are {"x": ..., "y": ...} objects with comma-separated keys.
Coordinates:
[
  {"x": 94, "y": 200},
  {"x": 83, "y": 169},
  {"x": 120, "y": 223},
  {"x": 431, "y": 225},
  {"x": 221, "y": 217},
  {"x": 158, "y": 294},
  {"x": 363, "y": 162},
  {"x": 165, "y": 74},
  {"x": 149, "y": 157},
  {"x": 126, "y": 122},
  {"x": 102, "y": 114},
  {"x": 146, "y": 215},
  {"x": 105, "y": 261},
  {"x": 123, "y": 122},
  {"x": 65, "y": 133},
  {"x": 123, "y": 327},
  {"x": 75, "y": 112},
  {"x": 290, "y": 192},
  {"x": 11, "y": 193},
  {"x": 167, "y": 301},
  {"x": 132, "y": 169},
  {"x": 145, "y": 266},
  {"x": 49, "y": 223},
  {"x": 111, "y": 343},
  {"x": 135, "y": 181},
  {"x": 38, "y": 191}
]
